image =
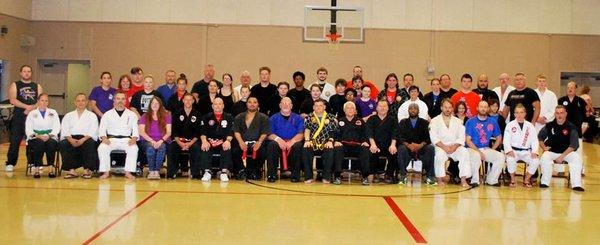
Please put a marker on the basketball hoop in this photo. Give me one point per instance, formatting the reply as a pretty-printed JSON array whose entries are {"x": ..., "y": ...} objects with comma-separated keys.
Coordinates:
[{"x": 334, "y": 40}]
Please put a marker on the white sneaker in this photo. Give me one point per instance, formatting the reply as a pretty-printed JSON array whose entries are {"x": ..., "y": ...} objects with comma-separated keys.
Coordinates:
[
  {"x": 224, "y": 177},
  {"x": 9, "y": 168},
  {"x": 206, "y": 177}
]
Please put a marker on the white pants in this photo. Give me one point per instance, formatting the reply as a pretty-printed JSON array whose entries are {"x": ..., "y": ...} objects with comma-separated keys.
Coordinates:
[
  {"x": 461, "y": 155},
  {"x": 547, "y": 160},
  {"x": 118, "y": 144},
  {"x": 493, "y": 156},
  {"x": 531, "y": 163}
]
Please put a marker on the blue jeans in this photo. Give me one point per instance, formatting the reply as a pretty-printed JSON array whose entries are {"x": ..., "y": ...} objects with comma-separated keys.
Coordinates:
[{"x": 155, "y": 157}]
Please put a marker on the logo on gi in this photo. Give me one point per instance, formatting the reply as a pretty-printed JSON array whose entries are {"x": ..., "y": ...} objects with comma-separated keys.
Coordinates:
[
  {"x": 181, "y": 118},
  {"x": 342, "y": 123},
  {"x": 193, "y": 119},
  {"x": 224, "y": 123},
  {"x": 565, "y": 103},
  {"x": 211, "y": 122}
]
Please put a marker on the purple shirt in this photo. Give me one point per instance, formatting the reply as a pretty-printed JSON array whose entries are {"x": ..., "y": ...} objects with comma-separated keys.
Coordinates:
[
  {"x": 366, "y": 107},
  {"x": 103, "y": 98},
  {"x": 154, "y": 132}
]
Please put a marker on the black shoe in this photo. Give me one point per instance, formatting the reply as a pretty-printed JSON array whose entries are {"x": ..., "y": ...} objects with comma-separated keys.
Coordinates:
[
  {"x": 544, "y": 186},
  {"x": 295, "y": 180},
  {"x": 474, "y": 185},
  {"x": 271, "y": 179},
  {"x": 241, "y": 175},
  {"x": 319, "y": 176},
  {"x": 252, "y": 176},
  {"x": 337, "y": 181},
  {"x": 37, "y": 176},
  {"x": 578, "y": 188},
  {"x": 51, "y": 175}
]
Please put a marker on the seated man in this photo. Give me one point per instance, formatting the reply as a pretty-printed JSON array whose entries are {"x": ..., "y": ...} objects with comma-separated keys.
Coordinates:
[
  {"x": 319, "y": 132},
  {"x": 186, "y": 124},
  {"x": 413, "y": 136},
  {"x": 560, "y": 140},
  {"x": 352, "y": 141},
  {"x": 287, "y": 130},
  {"x": 520, "y": 144},
  {"x": 447, "y": 133},
  {"x": 118, "y": 131},
  {"x": 216, "y": 137},
  {"x": 250, "y": 129},
  {"x": 414, "y": 99},
  {"x": 382, "y": 128},
  {"x": 480, "y": 130},
  {"x": 78, "y": 145}
]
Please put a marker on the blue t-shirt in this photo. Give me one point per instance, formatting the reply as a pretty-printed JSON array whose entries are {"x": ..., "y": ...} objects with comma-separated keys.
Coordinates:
[
  {"x": 481, "y": 131},
  {"x": 166, "y": 92},
  {"x": 103, "y": 98},
  {"x": 286, "y": 129},
  {"x": 366, "y": 107}
]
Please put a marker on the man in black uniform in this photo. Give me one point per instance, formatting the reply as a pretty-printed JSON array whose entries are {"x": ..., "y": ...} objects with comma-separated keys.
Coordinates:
[
  {"x": 216, "y": 136},
  {"x": 250, "y": 130},
  {"x": 23, "y": 95},
  {"x": 560, "y": 140},
  {"x": 186, "y": 130},
  {"x": 414, "y": 140},
  {"x": 319, "y": 131},
  {"x": 382, "y": 136},
  {"x": 352, "y": 141},
  {"x": 576, "y": 115}
]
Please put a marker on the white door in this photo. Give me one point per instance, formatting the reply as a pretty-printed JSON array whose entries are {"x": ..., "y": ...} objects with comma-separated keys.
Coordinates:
[{"x": 52, "y": 76}]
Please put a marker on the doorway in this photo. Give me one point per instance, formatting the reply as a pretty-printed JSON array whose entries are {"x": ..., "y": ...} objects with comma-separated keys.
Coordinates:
[
  {"x": 62, "y": 80},
  {"x": 4, "y": 79}
]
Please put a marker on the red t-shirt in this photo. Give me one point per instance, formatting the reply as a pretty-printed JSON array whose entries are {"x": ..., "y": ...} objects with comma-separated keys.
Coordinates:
[
  {"x": 374, "y": 90},
  {"x": 391, "y": 96},
  {"x": 132, "y": 90},
  {"x": 471, "y": 99}
]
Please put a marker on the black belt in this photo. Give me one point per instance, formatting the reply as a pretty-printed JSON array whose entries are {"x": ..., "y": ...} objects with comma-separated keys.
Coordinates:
[
  {"x": 118, "y": 136},
  {"x": 520, "y": 149}
]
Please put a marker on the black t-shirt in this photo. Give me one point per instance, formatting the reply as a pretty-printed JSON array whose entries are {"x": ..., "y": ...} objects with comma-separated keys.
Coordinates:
[
  {"x": 448, "y": 94},
  {"x": 526, "y": 97},
  {"x": 141, "y": 100},
  {"x": 486, "y": 94},
  {"x": 575, "y": 111},
  {"x": 263, "y": 95},
  {"x": 297, "y": 97},
  {"x": 201, "y": 88},
  {"x": 27, "y": 93},
  {"x": 336, "y": 105}
]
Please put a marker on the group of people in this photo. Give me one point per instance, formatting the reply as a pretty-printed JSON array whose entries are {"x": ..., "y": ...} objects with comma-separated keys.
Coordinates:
[{"x": 287, "y": 126}]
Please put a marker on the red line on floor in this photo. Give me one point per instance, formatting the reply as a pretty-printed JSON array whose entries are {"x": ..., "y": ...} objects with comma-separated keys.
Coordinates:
[
  {"x": 92, "y": 238},
  {"x": 405, "y": 221}
]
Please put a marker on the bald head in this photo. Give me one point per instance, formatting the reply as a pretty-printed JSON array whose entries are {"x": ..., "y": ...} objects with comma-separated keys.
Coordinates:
[{"x": 482, "y": 81}]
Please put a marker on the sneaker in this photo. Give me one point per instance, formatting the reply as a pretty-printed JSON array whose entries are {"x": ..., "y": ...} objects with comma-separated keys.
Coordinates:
[
  {"x": 403, "y": 180},
  {"x": 578, "y": 188},
  {"x": 544, "y": 186},
  {"x": 337, "y": 181},
  {"x": 430, "y": 182},
  {"x": 206, "y": 177},
  {"x": 365, "y": 181},
  {"x": 9, "y": 168},
  {"x": 224, "y": 177}
]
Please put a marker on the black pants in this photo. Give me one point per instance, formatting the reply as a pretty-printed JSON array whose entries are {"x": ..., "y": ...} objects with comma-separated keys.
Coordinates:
[
  {"x": 294, "y": 159},
  {"x": 17, "y": 131},
  {"x": 225, "y": 161},
  {"x": 426, "y": 155},
  {"x": 253, "y": 166},
  {"x": 173, "y": 161},
  {"x": 392, "y": 163},
  {"x": 327, "y": 159},
  {"x": 39, "y": 148},
  {"x": 361, "y": 152},
  {"x": 85, "y": 155}
]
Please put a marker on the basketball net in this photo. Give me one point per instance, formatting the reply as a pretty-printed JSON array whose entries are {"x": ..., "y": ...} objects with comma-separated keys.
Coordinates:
[{"x": 334, "y": 41}]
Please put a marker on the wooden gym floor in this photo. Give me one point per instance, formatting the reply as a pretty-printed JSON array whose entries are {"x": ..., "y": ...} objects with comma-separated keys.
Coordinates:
[{"x": 76, "y": 211}]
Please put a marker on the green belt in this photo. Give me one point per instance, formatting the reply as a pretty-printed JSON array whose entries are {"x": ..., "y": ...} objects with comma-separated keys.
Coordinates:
[{"x": 42, "y": 132}]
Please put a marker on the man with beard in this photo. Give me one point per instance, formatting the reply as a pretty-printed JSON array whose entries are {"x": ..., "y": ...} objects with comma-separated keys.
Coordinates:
[
  {"x": 413, "y": 137},
  {"x": 482, "y": 88},
  {"x": 250, "y": 130},
  {"x": 446, "y": 89},
  {"x": 327, "y": 89},
  {"x": 479, "y": 131}
]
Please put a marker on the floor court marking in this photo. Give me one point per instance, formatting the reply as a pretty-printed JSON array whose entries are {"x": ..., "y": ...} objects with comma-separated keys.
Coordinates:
[
  {"x": 412, "y": 230},
  {"x": 106, "y": 228}
]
